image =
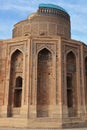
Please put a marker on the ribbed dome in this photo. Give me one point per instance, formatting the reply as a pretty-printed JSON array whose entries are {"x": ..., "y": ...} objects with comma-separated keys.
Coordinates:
[{"x": 52, "y": 6}]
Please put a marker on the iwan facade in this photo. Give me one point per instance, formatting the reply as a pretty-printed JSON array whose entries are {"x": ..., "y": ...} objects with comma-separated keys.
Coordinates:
[{"x": 43, "y": 73}]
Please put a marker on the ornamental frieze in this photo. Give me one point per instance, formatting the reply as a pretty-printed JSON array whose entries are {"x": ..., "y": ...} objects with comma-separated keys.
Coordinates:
[
  {"x": 16, "y": 46},
  {"x": 51, "y": 47},
  {"x": 71, "y": 48}
]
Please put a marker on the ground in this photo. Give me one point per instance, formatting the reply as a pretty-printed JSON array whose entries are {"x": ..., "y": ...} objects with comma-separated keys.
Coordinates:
[{"x": 41, "y": 129}]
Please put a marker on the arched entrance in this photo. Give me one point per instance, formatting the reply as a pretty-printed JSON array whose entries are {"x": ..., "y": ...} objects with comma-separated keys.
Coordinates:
[
  {"x": 44, "y": 73},
  {"x": 71, "y": 84},
  {"x": 15, "y": 86}
]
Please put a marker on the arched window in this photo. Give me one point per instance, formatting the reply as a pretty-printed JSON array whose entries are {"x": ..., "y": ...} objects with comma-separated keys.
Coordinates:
[
  {"x": 71, "y": 62},
  {"x": 18, "y": 81}
]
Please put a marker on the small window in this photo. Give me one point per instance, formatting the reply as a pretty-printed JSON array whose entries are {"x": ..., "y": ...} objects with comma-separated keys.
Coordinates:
[
  {"x": 18, "y": 92},
  {"x": 69, "y": 91},
  {"x": 18, "y": 82},
  {"x": 17, "y": 98}
]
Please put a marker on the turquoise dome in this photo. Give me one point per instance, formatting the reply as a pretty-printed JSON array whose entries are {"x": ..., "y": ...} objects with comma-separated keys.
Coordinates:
[{"x": 52, "y": 6}]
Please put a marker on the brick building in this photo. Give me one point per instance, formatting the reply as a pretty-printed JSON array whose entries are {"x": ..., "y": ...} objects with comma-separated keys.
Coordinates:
[{"x": 43, "y": 73}]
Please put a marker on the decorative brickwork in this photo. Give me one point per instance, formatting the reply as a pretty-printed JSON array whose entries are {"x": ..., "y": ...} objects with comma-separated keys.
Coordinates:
[{"x": 43, "y": 73}]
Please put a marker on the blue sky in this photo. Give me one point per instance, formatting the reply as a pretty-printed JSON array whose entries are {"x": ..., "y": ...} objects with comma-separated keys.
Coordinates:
[{"x": 13, "y": 11}]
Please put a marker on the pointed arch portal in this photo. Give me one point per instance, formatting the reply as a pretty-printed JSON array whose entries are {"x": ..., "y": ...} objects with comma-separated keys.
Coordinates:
[
  {"x": 71, "y": 84},
  {"x": 44, "y": 71},
  {"x": 15, "y": 85}
]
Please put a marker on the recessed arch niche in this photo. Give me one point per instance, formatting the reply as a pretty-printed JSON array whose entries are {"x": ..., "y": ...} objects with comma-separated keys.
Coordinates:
[
  {"x": 71, "y": 84},
  {"x": 44, "y": 82},
  {"x": 15, "y": 83}
]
